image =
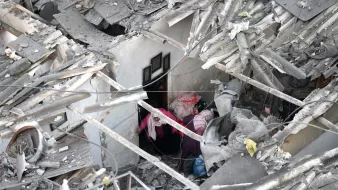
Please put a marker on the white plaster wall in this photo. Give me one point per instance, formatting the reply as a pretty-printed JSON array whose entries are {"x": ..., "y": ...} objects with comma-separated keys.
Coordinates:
[
  {"x": 123, "y": 120},
  {"x": 92, "y": 133},
  {"x": 135, "y": 54}
]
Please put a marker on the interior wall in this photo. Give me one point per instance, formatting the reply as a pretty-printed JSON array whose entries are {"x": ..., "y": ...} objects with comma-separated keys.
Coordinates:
[
  {"x": 92, "y": 133},
  {"x": 189, "y": 76},
  {"x": 121, "y": 119},
  {"x": 296, "y": 142},
  {"x": 135, "y": 54}
]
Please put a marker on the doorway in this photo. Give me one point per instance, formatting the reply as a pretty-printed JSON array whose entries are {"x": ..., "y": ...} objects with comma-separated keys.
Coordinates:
[{"x": 157, "y": 98}]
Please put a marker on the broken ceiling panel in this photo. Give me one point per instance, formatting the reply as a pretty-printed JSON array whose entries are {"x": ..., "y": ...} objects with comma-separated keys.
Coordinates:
[
  {"x": 94, "y": 17},
  {"x": 305, "y": 9},
  {"x": 26, "y": 47},
  {"x": 150, "y": 8},
  {"x": 64, "y": 4},
  {"x": 82, "y": 30},
  {"x": 112, "y": 11}
]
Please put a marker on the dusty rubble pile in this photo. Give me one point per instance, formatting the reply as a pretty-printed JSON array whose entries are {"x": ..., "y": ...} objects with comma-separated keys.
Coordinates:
[
  {"x": 276, "y": 46},
  {"x": 263, "y": 40}
]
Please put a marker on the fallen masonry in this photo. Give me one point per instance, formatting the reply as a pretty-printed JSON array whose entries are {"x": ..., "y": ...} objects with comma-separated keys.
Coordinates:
[{"x": 168, "y": 94}]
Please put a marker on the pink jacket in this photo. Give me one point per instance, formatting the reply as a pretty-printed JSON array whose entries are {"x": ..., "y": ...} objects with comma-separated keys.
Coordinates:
[{"x": 159, "y": 130}]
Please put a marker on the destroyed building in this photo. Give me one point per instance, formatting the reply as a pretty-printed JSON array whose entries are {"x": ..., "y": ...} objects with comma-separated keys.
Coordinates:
[{"x": 168, "y": 94}]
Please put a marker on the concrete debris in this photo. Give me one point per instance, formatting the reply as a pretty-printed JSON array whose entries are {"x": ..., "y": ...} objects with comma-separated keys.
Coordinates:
[
  {"x": 278, "y": 58},
  {"x": 63, "y": 149},
  {"x": 237, "y": 28},
  {"x": 91, "y": 178},
  {"x": 24, "y": 45},
  {"x": 237, "y": 169},
  {"x": 21, "y": 165},
  {"x": 308, "y": 8},
  {"x": 40, "y": 172}
]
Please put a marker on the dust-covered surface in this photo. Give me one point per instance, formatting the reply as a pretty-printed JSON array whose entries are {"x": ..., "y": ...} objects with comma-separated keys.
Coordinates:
[
  {"x": 76, "y": 157},
  {"x": 80, "y": 29},
  {"x": 290, "y": 62},
  {"x": 154, "y": 177}
]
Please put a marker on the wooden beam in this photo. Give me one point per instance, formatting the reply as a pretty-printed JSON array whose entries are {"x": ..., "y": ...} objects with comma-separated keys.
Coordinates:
[
  {"x": 168, "y": 39},
  {"x": 110, "y": 81},
  {"x": 136, "y": 149},
  {"x": 153, "y": 37},
  {"x": 262, "y": 86}
]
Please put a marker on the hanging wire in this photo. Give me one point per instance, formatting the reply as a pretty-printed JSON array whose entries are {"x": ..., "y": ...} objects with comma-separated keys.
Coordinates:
[{"x": 97, "y": 92}]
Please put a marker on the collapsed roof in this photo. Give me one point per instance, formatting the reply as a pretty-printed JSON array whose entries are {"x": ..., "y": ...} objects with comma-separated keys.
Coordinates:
[{"x": 235, "y": 36}]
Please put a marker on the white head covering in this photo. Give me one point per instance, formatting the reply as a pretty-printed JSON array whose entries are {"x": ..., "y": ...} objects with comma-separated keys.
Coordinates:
[{"x": 152, "y": 124}]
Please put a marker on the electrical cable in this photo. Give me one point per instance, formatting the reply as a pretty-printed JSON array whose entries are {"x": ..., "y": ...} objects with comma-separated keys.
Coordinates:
[
  {"x": 94, "y": 92},
  {"x": 79, "y": 137}
]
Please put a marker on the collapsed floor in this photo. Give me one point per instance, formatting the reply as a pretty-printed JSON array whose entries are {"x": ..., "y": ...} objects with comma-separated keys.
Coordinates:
[{"x": 282, "y": 64}]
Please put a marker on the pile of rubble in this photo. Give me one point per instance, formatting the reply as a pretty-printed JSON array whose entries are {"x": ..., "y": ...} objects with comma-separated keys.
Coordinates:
[
  {"x": 274, "y": 46},
  {"x": 264, "y": 40}
]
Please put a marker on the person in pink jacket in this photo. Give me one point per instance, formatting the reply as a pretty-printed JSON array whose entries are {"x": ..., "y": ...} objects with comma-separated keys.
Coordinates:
[{"x": 159, "y": 132}]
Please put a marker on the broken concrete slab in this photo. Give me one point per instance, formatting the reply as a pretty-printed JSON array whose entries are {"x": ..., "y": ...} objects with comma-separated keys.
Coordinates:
[
  {"x": 73, "y": 22},
  {"x": 19, "y": 66},
  {"x": 34, "y": 53},
  {"x": 112, "y": 11},
  {"x": 94, "y": 17},
  {"x": 238, "y": 169},
  {"x": 305, "y": 9}
]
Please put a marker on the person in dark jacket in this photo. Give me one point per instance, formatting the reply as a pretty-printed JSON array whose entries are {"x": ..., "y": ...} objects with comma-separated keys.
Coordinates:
[{"x": 190, "y": 147}]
